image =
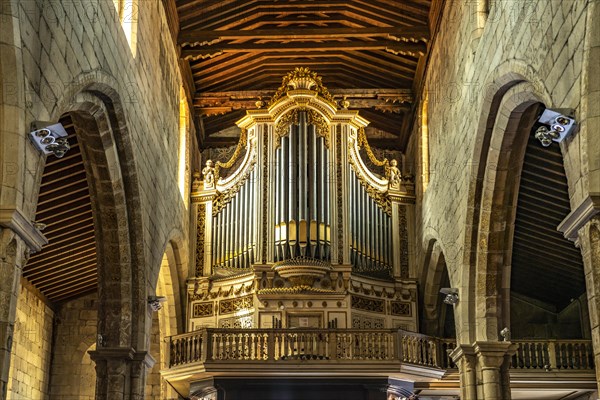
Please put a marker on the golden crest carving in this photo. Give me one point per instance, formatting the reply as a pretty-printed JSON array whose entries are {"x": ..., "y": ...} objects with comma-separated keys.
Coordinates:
[{"x": 302, "y": 78}]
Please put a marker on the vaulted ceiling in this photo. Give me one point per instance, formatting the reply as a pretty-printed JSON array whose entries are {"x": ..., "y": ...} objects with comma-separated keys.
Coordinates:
[
  {"x": 66, "y": 267},
  {"x": 545, "y": 265},
  {"x": 235, "y": 52}
]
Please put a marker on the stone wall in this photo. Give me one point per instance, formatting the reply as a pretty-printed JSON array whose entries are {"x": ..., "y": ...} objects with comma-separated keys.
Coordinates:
[
  {"x": 73, "y": 56},
  {"x": 68, "y": 46},
  {"x": 154, "y": 380},
  {"x": 75, "y": 333},
  {"x": 32, "y": 344},
  {"x": 540, "y": 43}
]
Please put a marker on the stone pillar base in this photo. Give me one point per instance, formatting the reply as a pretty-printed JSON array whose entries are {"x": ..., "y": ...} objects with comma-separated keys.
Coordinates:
[{"x": 483, "y": 368}]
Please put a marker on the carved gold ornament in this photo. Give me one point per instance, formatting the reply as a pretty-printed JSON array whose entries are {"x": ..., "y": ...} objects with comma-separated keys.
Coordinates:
[
  {"x": 238, "y": 150},
  {"x": 363, "y": 143},
  {"x": 302, "y": 78},
  {"x": 291, "y": 118}
]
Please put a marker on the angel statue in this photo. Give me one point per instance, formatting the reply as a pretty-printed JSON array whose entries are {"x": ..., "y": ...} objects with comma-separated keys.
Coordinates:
[{"x": 208, "y": 173}]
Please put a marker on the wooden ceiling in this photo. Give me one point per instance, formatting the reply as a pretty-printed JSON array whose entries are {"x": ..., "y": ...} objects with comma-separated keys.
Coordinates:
[
  {"x": 66, "y": 266},
  {"x": 545, "y": 265},
  {"x": 235, "y": 52}
]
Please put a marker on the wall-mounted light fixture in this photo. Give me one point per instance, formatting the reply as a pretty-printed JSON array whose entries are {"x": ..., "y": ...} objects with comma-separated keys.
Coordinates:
[
  {"x": 557, "y": 125},
  {"x": 451, "y": 295},
  {"x": 49, "y": 139}
]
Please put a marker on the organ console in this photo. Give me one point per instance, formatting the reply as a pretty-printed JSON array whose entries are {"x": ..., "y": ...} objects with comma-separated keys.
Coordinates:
[{"x": 296, "y": 221}]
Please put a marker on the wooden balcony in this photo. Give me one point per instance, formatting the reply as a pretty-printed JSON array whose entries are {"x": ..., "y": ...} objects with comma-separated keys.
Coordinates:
[{"x": 346, "y": 352}]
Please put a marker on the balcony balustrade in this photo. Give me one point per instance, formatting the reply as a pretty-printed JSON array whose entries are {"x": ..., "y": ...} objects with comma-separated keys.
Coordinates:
[{"x": 352, "y": 345}]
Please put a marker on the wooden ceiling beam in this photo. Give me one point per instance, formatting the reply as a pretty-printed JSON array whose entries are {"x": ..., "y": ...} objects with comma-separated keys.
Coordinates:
[
  {"x": 317, "y": 63},
  {"x": 204, "y": 37},
  {"x": 90, "y": 285},
  {"x": 204, "y": 107},
  {"x": 67, "y": 278},
  {"x": 397, "y": 48},
  {"x": 401, "y": 95}
]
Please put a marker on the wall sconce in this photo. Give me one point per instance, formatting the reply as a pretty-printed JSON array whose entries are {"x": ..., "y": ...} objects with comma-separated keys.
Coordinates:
[
  {"x": 50, "y": 139},
  {"x": 557, "y": 125},
  {"x": 451, "y": 295},
  {"x": 155, "y": 302}
]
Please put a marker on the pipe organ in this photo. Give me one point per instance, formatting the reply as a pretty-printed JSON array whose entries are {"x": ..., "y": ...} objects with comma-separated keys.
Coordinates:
[
  {"x": 295, "y": 230},
  {"x": 302, "y": 217},
  {"x": 370, "y": 230},
  {"x": 233, "y": 225}
]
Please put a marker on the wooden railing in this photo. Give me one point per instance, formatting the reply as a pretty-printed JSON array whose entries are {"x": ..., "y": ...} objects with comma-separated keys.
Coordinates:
[
  {"x": 351, "y": 345},
  {"x": 553, "y": 355}
]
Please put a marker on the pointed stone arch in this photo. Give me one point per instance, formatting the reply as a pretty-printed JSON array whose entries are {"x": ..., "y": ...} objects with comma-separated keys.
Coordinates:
[
  {"x": 97, "y": 113},
  {"x": 168, "y": 320},
  {"x": 435, "y": 276},
  {"x": 512, "y": 89}
]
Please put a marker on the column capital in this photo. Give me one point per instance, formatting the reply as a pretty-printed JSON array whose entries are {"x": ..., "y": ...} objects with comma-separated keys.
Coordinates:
[
  {"x": 122, "y": 354},
  {"x": 204, "y": 196},
  {"x": 581, "y": 215},
  {"x": 12, "y": 218},
  {"x": 492, "y": 354},
  {"x": 462, "y": 352}
]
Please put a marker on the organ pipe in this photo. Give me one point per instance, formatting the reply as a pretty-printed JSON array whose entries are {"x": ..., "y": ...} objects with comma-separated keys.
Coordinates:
[
  {"x": 302, "y": 208},
  {"x": 233, "y": 226},
  {"x": 370, "y": 231}
]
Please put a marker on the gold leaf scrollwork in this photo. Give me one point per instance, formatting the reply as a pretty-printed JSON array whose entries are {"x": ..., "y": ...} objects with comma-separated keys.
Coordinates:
[
  {"x": 302, "y": 78},
  {"x": 321, "y": 125},
  {"x": 291, "y": 118},
  {"x": 283, "y": 125},
  {"x": 223, "y": 198},
  {"x": 381, "y": 198},
  {"x": 238, "y": 150},
  {"x": 362, "y": 142}
]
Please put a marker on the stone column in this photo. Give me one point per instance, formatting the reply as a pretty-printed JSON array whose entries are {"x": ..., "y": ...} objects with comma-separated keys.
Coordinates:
[
  {"x": 18, "y": 237},
  {"x": 483, "y": 368},
  {"x": 582, "y": 226},
  {"x": 492, "y": 359},
  {"x": 121, "y": 372},
  {"x": 589, "y": 242},
  {"x": 464, "y": 358}
]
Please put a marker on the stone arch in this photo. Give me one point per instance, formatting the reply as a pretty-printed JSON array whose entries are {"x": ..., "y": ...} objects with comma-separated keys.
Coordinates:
[
  {"x": 168, "y": 320},
  {"x": 87, "y": 374},
  {"x": 435, "y": 275},
  {"x": 99, "y": 120},
  {"x": 512, "y": 89}
]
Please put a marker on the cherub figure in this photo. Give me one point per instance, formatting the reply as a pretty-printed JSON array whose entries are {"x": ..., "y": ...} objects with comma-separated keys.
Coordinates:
[
  {"x": 394, "y": 176},
  {"x": 209, "y": 175}
]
